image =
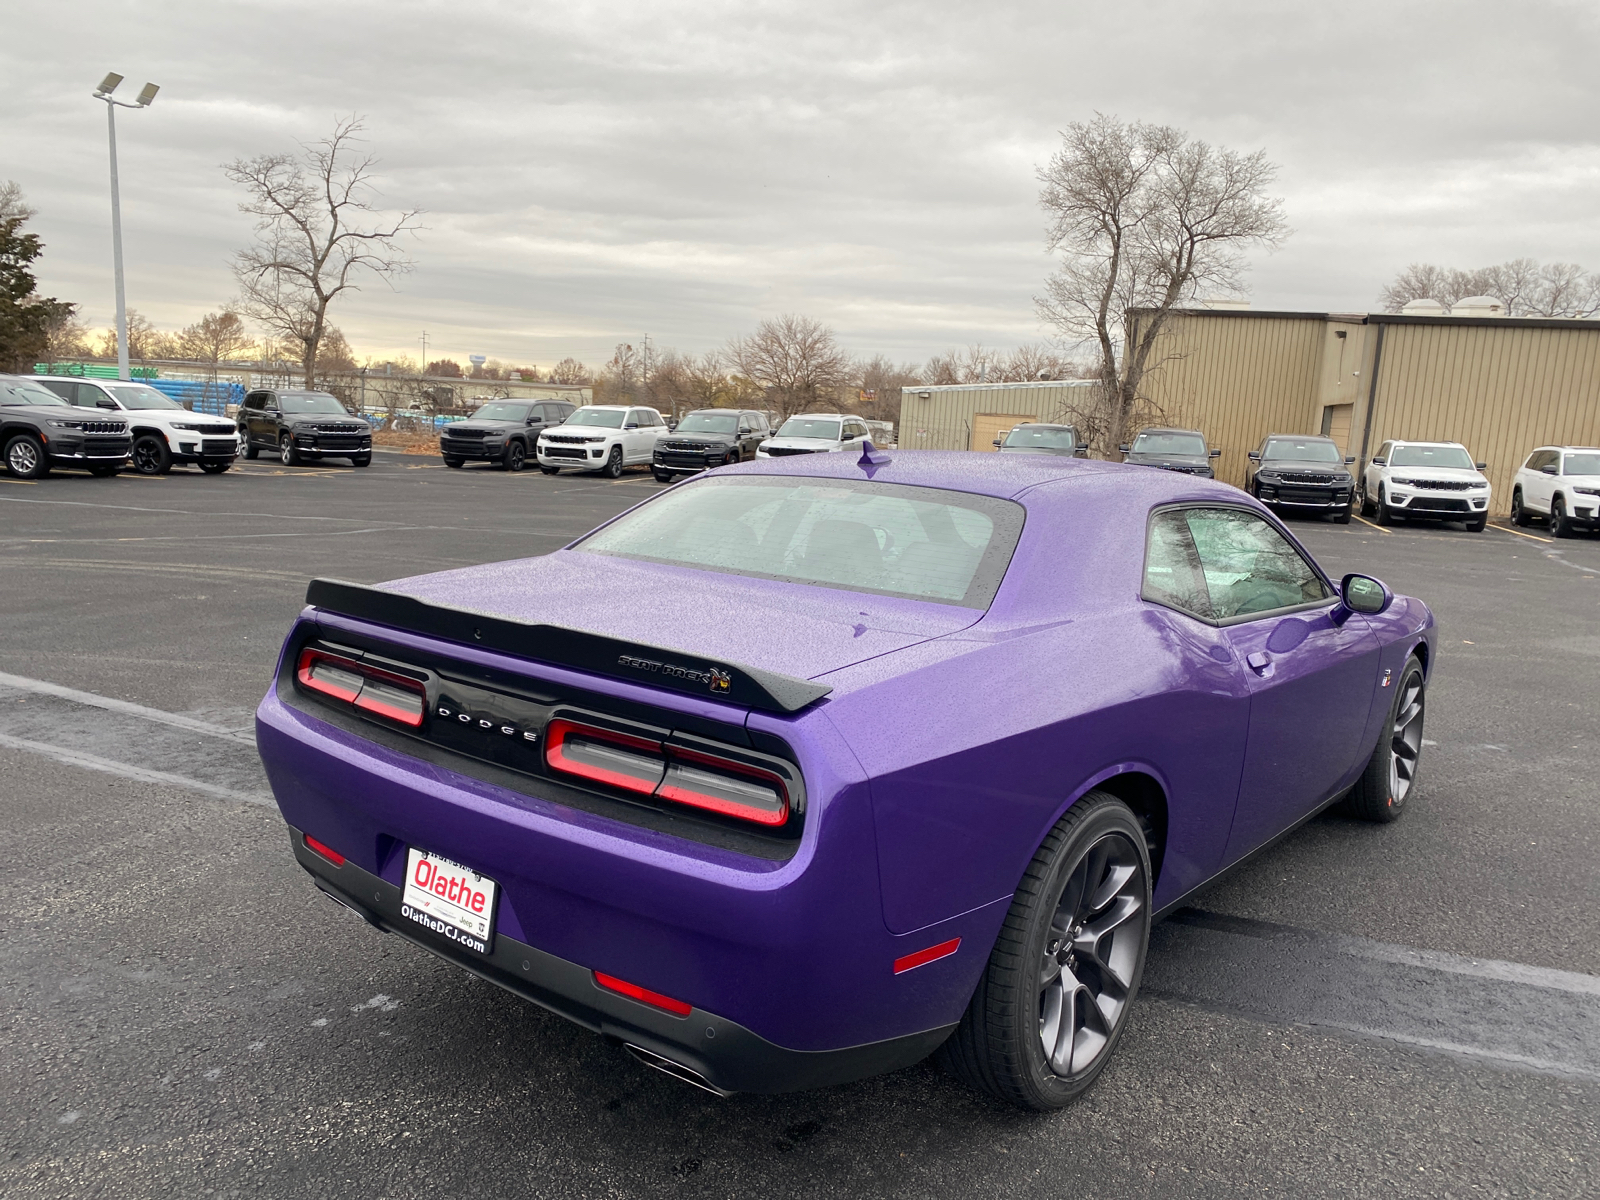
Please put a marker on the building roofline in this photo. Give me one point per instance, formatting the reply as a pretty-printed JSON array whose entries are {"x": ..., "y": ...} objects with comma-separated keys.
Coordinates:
[
  {"x": 989, "y": 387},
  {"x": 1383, "y": 318}
]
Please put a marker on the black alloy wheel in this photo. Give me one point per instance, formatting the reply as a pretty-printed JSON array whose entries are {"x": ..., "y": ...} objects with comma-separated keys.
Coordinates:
[
  {"x": 1391, "y": 773},
  {"x": 215, "y": 468},
  {"x": 1559, "y": 525},
  {"x": 515, "y": 456},
  {"x": 454, "y": 462},
  {"x": 25, "y": 457},
  {"x": 287, "y": 454},
  {"x": 150, "y": 455},
  {"x": 1054, "y": 999},
  {"x": 613, "y": 467},
  {"x": 1519, "y": 515}
]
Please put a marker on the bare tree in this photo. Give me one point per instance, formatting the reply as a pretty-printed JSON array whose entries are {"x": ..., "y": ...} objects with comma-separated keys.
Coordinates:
[
  {"x": 570, "y": 370},
  {"x": 1145, "y": 217},
  {"x": 145, "y": 341},
  {"x": 65, "y": 336},
  {"x": 215, "y": 338},
  {"x": 317, "y": 232},
  {"x": 797, "y": 361},
  {"x": 1526, "y": 287}
]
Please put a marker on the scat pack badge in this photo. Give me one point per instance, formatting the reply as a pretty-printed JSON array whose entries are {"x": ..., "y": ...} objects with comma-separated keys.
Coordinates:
[{"x": 720, "y": 682}]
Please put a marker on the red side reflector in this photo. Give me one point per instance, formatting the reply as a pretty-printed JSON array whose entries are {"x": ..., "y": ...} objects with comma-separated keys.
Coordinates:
[
  {"x": 644, "y": 995},
  {"x": 327, "y": 852},
  {"x": 923, "y": 957}
]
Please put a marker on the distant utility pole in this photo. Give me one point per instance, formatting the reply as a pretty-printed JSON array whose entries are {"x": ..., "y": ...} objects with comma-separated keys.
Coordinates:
[
  {"x": 424, "y": 352},
  {"x": 103, "y": 92}
]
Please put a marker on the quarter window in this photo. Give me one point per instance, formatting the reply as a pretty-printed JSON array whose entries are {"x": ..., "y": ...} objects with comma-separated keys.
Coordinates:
[
  {"x": 1248, "y": 566},
  {"x": 1172, "y": 573}
]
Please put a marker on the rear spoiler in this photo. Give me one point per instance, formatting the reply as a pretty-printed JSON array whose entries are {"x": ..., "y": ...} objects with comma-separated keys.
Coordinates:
[{"x": 635, "y": 662}]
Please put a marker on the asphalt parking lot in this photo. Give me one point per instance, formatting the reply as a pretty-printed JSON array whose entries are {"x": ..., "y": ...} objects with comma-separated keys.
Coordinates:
[{"x": 1402, "y": 1011}]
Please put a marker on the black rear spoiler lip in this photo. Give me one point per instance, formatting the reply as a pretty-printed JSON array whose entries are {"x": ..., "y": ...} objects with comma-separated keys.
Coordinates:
[{"x": 634, "y": 662}]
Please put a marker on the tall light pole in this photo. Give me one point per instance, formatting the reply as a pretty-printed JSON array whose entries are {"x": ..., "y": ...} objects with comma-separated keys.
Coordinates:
[{"x": 103, "y": 92}]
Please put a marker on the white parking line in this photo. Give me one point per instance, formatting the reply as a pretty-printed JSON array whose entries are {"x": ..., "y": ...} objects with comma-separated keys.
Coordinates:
[
  {"x": 93, "y": 762},
  {"x": 177, "y": 720}
]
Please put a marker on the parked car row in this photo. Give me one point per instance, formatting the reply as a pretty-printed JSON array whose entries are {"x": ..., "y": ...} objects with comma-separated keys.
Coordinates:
[
  {"x": 1562, "y": 484},
  {"x": 162, "y": 432}
]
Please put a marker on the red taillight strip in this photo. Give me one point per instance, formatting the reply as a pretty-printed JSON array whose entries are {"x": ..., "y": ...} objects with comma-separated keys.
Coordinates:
[
  {"x": 327, "y": 852},
  {"x": 923, "y": 957},
  {"x": 306, "y": 675},
  {"x": 310, "y": 658},
  {"x": 644, "y": 995},
  {"x": 555, "y": 753}
]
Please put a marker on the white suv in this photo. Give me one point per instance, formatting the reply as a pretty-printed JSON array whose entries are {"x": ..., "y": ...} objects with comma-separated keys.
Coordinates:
[
  {"x": 601, "y": 437},
  {"x": 164, "y": 431},
  {"x": 815, "y": 433},
  {"x": 1561, "y": 483},
  {"x": 1438, "y": 480}
]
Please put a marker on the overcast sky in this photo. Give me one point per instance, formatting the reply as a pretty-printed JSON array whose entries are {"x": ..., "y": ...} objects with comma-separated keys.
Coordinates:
[{"x": 595, "y": 172}]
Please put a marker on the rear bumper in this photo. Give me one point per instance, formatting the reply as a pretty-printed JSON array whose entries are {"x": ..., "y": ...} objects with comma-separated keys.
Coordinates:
[{"x": 723, "y": 1053}]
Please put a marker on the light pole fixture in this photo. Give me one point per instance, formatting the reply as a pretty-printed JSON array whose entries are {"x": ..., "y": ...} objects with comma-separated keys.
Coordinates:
[{"x": 103, "y": 92}]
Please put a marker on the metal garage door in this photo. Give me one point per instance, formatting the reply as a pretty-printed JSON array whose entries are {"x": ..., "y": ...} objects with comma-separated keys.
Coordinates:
[{"x": 988, "y": 426}]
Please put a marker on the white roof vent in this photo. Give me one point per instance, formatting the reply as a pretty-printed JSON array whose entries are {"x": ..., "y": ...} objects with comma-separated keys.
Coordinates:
[
  {"x": 1424, "y": 308},
  {"x": 1478, "y": 306},
  {"x": 1224, "y": 302}
]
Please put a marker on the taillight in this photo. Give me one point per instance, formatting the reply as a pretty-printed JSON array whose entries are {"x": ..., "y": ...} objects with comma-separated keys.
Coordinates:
[
  {"x": 648, "y": 767},
  {"x": 327, "y": 852},
  {"x": 363, "y": 685}
]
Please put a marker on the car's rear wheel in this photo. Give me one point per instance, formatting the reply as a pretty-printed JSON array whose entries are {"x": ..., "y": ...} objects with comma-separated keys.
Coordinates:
[
  {"x": 1559, "y": 525},
  {"x": 1054, "y": 999},
  {"x": 25, "y": 457},
  {"x": 1391, "y": 773},
  {"x": 613, "y": 467},
  {"x": 1519, "y": 514},
  {"x": 150, "y": 455},
  {"x": 515, "y": 457}
]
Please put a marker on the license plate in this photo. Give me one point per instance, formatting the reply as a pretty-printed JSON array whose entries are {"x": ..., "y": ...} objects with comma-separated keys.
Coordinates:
[{"x": 449, "y": 899}]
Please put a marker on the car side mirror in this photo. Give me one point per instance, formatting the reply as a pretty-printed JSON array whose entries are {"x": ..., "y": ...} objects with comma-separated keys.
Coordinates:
[
  {"x": 1125, "y": 449},
  {"x": 1547, "y": 469},
  {"x": 1378, "y": 462},
  {"x": 1080, "y": 452},
  {"x": 1481, "y": 466},
  {"x": 1349, "y": 458},
  {"x": 997, "y": 441},
  {"x": 1218, "y": 454},
  {"x": 103, "y": 403},
  {"x": 631, "y": 425},
  {"x": 1361, "y": 594},
  {"x": 1255, "y": 456}
]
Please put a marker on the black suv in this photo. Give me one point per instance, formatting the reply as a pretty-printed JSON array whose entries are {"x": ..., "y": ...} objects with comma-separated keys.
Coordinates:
[
  {"x": 504, "y": 431},
  {"x": 1181, "y": 450},
  {"x": 709, "y": 437},
  {"x": 40, "y": 430},
  {"x": 1302, "y": 474},
  {"x": 300, "y": 426},
  {"x": 1038, "y": 437}
]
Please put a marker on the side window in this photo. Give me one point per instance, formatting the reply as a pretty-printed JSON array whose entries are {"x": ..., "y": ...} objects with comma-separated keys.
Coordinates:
[
  {"x": 1248, "y": 566},
  {"x": 744, "y": 424},
  {"x": 1172, "y": 567},
  {"x": 269, "y": 402},
  {"x": 67, "y": 390},
  {"x": 1385, "y": 450}
]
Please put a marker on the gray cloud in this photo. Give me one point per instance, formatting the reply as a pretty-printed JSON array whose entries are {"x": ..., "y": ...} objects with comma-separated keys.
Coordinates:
[{"x": 595, "y": 173}]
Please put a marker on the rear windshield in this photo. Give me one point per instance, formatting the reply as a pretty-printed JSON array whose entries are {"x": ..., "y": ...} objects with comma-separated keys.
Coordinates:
[
  {"x": 884, "y": 538},
  {"x": 1302, "y": 450},
  {"x": 1169, "y": 443},
  {"x": 810, "y": 427},
  {"x": 1583, "y": 464},
  {"x": 1041, "y": 437},
  {"x": 1431, "y": 456}
]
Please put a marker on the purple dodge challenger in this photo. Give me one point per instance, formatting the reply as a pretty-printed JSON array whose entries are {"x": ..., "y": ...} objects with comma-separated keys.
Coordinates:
[{"x": 804, "y": 769}]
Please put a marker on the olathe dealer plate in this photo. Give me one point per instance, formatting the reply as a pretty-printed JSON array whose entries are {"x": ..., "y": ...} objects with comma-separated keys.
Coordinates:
[{"x": 449, "y": 899}]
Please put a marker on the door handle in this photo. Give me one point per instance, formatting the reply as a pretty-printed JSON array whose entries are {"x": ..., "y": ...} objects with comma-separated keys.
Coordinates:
[{"x": 1260, "y": 662}]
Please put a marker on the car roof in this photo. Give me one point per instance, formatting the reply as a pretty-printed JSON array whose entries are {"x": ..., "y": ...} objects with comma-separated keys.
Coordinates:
[
  {"x": 1586, "y": 449},
  {"x": 1300, "y": 437},
  {"x": 831, "y": 416},
  {"x": 1043, "y": 425},
  {"x": 1409, "y": 442},
  {"x": 1171, "y": 429},
  {"x": 1003, "y": 475}
]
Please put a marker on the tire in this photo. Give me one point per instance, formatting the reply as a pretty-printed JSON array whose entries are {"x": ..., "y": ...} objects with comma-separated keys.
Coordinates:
[
  {"x": 104, "y": 470},
  {"x": 999, "y": 1046},
  {"x": 287, "y": 454},
  {"x": 1560, "y": 527},
  {"x": 25, "y": 457},
  {"x": 1368, "y": 508},
  {"x": 361, "y": 460},
  {"x": 613, "y": 467},
  {"x": 1519, "y": 515},
  {"x": 454, "y": 462},
  {"x": 1343, "y": 518},
  {"x": 150, "y": 455},
  {"x": 662, "y": 476},
  {"x": 1390, "y": 776},
  {"x": 733, "y": 457},
  {"x": 515, "y": 456},
  {"x": 1385, "y": 513},
  {"x": 551, "y": 470},
  {"x": 215, "y": 468},
  {"x": 1478, "y": 525}
]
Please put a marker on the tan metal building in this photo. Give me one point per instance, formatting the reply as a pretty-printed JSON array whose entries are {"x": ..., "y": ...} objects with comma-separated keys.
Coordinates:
[
  {"x": 969, "y": 416},
  {"x": 1500, "y": 386}
]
